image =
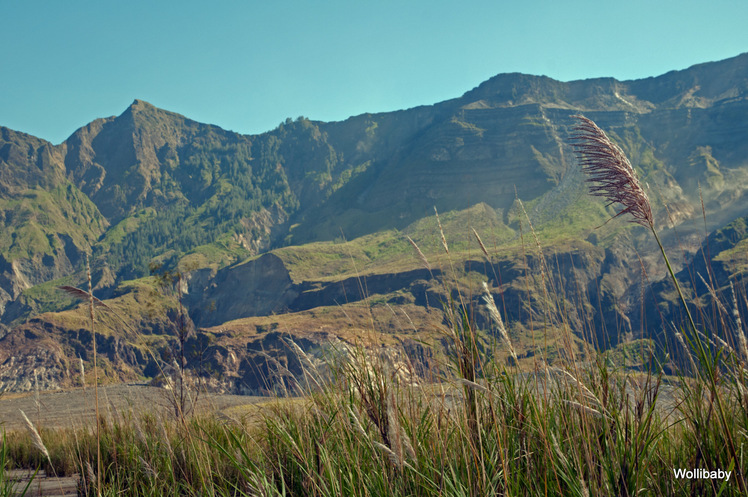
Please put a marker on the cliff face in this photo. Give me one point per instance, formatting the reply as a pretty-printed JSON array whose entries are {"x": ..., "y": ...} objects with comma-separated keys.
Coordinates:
[
  {"x": 681, "y": 129},
  {"x": 257, "y": 223},
  {"x": 256, "y": 288}
]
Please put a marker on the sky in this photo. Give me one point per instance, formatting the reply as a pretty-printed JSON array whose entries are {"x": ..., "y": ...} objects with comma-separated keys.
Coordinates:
[{"x": 248, "y": 65}]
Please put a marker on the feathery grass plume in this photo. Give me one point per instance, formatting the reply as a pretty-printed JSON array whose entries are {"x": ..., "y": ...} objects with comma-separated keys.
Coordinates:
[
  {"x": 36, "y": 439},
  {"x": 357, "y": 424},
  {"x": 394, "y": 460},
  {"x": 165, "y": 437},
  {"x": 409, "y": 450},
  {"x": 713, "y": 294},
  {"x": 480, "y": 243},
  {"x": 90, "y": 478},
  {"x": 717, "y": 342},
  {"x": 739, "y": 323},
  {"x": 420, "y": 254},
  {"x": 393, "y": 426},
  {"x": 83, "y": 372},
  {"x": 473, "y": 385},
  {"x": 398, "y": 437},
  {"x": 610, "y": 172},
  {"x": 584, "y": 408},
  {"x": 147, "y": 468},
  {"x": 139, "y": 432},
  {"x": 582, "y": 387},
  {"x": 441, "y": 231},
  {"x": 310, "y": 371},
  {"x": 682, "y": 342},
  {"x": 397, "y": 461},
  {"x": 545, "y": 272},
  {"x": 83, "y": 295},
  {"x": 37, "y": 400},
  {"x": 735, "y": 311},
  {"x": 494, "y": 312}
]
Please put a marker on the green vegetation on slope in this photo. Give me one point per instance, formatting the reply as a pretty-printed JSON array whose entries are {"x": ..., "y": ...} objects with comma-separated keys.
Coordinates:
[{"x": 31, "y": 224}]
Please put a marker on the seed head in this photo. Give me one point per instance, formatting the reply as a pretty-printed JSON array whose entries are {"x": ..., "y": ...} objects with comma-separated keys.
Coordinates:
[
  {"x": 610, "y": 172},
  {"x": 36, "y": 439}
]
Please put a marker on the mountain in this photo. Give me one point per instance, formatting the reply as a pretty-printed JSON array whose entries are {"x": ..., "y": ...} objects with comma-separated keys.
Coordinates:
[{"x": 310, "y": 219}]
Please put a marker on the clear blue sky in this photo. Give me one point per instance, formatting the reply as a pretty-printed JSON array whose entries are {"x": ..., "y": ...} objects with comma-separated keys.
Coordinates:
[{"x": 247, "y": 65}]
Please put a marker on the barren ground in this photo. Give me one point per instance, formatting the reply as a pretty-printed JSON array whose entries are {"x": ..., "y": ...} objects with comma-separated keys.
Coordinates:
[{"x": 75, "y": 407}]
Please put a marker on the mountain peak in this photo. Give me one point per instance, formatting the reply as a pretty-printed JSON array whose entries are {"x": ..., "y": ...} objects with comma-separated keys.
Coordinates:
[
  {"x": 141, "y": 107},
  {"x": 146, "y": 116},
  {"x": 141, "y": 104}
]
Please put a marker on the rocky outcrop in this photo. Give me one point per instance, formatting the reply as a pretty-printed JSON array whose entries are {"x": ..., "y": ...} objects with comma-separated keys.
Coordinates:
[{"x": 256, "y": 288}]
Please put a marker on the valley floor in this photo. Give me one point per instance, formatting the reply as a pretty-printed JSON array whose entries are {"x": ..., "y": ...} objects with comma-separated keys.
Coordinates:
[{"x": 72, "y": 408}]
